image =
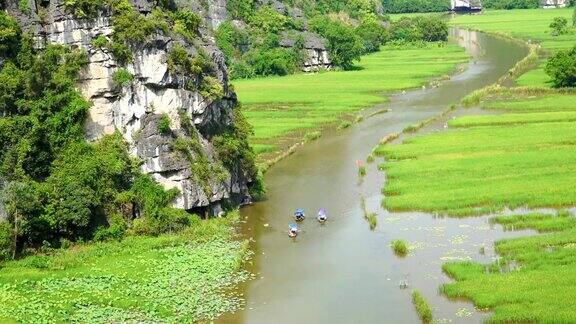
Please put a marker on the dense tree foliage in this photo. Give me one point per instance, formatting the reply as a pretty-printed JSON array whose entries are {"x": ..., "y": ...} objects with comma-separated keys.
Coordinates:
[
  {"x": 511, "y": 4},
  {"x": 351, "y": 28},
  {"x": 58, "y": 187},
  {"x": 562, "y": 68},
  {"x": 559, "y": 26},
  {"x": 405, "y": 6},
  {"x": 344, "y": 45},
  {"x": 420, "y": 28}
]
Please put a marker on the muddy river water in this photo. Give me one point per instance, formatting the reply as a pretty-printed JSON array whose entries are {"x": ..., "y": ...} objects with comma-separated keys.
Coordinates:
[{"x": 341, "y": 272}]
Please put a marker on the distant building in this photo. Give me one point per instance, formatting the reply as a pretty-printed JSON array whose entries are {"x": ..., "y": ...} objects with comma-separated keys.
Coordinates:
[
  {"x": 467, "y": 5},
  {"x": 554, "y": 3}
]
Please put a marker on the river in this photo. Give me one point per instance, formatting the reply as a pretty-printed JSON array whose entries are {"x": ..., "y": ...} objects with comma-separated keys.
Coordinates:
[{"x": 341, "y": 272}]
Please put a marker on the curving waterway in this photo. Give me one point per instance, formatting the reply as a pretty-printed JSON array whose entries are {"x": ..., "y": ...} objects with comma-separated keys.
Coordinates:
[{"x": 342, "y": 272}]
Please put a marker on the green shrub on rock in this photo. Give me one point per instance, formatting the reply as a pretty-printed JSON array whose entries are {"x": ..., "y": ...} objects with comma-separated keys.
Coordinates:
[
  {"x": 164, "y": 124},
  {"x": 122, "y": 77}
]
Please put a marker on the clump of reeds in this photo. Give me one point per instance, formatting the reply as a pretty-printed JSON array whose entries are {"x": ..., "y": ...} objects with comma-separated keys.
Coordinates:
[
  {"x": 389, "y": 138},
  {"x": 345, "y": 124},
  {"x": 361, "y": 170},
  {"x": 370, "y": 158},
  {"x": 369, "y": 216},
  {"x": 400, "y": 248},
  {"x": 311, "y": 136},
  {"x": 422, "y": 307},
  {"x": 476, "y": 96}
]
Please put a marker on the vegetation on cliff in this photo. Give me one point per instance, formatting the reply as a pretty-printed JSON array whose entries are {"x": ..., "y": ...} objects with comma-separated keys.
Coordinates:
[
  {"x": 56, "y": 188},
  {"x": 272, "y": 41},
  {"x": 96, "y": 240}
]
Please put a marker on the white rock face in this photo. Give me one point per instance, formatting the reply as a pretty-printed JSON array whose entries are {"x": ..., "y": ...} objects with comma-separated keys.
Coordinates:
[{"x": 135, "y": 109}]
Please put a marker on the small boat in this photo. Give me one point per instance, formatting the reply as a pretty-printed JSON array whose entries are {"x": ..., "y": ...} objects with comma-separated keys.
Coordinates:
[
  {"x": 299, "y": 215},
  {"x": 322, "y": 217},
  {"x": 292, "y": 230}
]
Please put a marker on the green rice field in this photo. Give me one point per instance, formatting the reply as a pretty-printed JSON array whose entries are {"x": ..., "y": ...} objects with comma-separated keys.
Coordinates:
[
  {"x": 486, "y": 163},
  {"x": 534, "y": 281},
  {"x": 481, "y": 164},
  {"x": 531, "y": 25},
  {"x": 280, "y": 107}
]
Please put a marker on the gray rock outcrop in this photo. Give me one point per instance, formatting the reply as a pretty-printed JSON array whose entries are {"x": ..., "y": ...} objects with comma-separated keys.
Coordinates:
[
  {"x": 134, "y": 109},
  {"x": 316, "y": 54}
]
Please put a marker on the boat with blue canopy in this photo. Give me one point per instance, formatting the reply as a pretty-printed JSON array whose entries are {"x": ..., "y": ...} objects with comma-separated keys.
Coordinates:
[{"x": 299, "y": 215}]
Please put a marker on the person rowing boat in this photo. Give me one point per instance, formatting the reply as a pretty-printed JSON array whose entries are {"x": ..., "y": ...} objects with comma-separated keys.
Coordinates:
[
  {"x": 299, "y": 215},
  {"x": 292, "y": 230},
  {"x": 322, "y": 217}
]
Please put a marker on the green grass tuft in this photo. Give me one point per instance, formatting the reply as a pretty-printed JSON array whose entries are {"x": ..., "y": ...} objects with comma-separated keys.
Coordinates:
[
  {"x": 312, "y": 136},
  {"x": 422, "y": 308},
  {"x": 400, "y": 248}
]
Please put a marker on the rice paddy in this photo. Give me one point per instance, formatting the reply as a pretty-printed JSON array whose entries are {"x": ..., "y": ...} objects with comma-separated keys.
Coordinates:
[
  {"x": 535, "y": 279},
  {"x": 170, "y": 278},
  {"x": 283, "y": 109},
  {"x": 487, "y": 163}
]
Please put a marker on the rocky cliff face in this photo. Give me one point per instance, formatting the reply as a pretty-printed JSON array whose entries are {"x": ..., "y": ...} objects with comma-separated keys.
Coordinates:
[
  {"x": 135, "y": 109},
  {"x": 214, "y": 12},
  {"x": 316, "y": 54}
]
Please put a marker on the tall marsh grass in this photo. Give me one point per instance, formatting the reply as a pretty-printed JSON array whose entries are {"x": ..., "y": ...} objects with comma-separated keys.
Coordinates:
[{"x": 369, "y": 216}]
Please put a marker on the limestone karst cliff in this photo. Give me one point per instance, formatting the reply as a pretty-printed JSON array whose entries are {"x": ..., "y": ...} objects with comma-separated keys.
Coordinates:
[{"x": 175, "y": 74}]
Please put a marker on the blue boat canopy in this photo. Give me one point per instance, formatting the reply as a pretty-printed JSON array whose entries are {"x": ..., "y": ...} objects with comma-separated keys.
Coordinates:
[
  {"x": 322, "y": 211},
  {"x": 299, "y": 211},
  {"x": 293, "y": 226}
]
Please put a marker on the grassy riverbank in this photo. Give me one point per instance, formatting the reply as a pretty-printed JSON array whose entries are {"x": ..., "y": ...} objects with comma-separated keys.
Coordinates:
[
  {"x": 531, "y": 25},
  {"x": 175, "y": 278},
  {"x": 284, "y": 109}
]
